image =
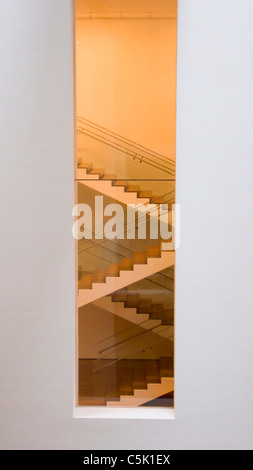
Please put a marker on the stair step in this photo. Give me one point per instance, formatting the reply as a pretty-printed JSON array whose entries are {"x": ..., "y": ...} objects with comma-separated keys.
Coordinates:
[
  {"x": 126, "y": 278},
  {"x": 131, "y": 302},
  {"x": 153, "y": 374},
  {"x": 144, "y": 305},
  {"x": 133, "y": 188},
  {"x": 156, "y": 316},
  {"x": 112, "y": 392},
  {"x": 160, "y": 316},
  {"x": 112, "y": 270},
  {"x": 167, "y": 317},
  {"x": 85, "y": 281},
  {"x": 140, "y": 258},
  {"x": 97, "y": 171},
  {"x": 126, "y": 382},
  {"x": 156, "y": 309},
  {"x": 91, "y": 401},
  {"x": 119, "y": 296},
  {"x": 123, "y": 183},
  {"x": 109, "y": 177},
  {"x": 126, "y": 264},
  {"x": 157, "y": 199},
  {"x": 144, "y": 193},
  {"x": 153, "y": 252},
  {"x": 166, "y": 367},
  {"x": 86, "y": 166},
  {"x": 140, "y": 378},
  {"x": 99, "y": 275},
  {"x": 132, "y": 299}
]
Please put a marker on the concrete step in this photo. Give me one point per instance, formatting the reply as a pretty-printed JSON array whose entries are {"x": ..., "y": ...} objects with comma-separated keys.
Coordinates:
[
  {"x": 85, "y": 281},
  {"x": 97, "y": 171}
]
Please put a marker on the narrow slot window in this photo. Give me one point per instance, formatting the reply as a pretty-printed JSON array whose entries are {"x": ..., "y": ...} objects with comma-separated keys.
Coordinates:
[{"x": 125, "y": 195}]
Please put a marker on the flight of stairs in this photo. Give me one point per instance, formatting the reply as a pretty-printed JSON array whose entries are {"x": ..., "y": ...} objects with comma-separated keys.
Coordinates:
[
  {"x": 120, "y": 190},
  {"x": 101, "y": 282},
  {"x": 126, "y": 383},
  {"x": 93, "y": 285},
  {"x": 137, "y": 385},
  {"x": 142, "y": 385},
  {"x": 139, "y": 311}
]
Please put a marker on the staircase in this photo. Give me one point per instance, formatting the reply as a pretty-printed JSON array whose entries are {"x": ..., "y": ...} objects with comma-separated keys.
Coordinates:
[
  {"x": 136, "y": 383},
  {"x": 142, "y": 381},
  {"x": 93, "y": 285},
  {"x": 139, "y": 311},
  {"x": 140, "y": 396},
  {"x": 142, "y": 385},
  {"x": 120, "y": 190}
]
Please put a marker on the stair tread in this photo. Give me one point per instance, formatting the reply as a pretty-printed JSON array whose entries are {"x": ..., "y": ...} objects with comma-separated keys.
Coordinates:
[
  {"x": 85, "y": 281},
  {"x": 156, "y": 308},
  {"x": 109, "y": 176},
  {"x": 126, "y": 264},
  {"x": 99, "y": 275},
  {"x": 126, "y": 382},
  {"x": 118, "y": 297},
  {"x": 153, "y": 252},
  {"x": 112, "y": 270},
  {"x": 144, "y": 193},
  {"x": 133, "y": 188},
  {"x": 144, "y": 306},
  {"x": 157, "y": 199},
  {"x": 97, "y": 171},
  {"x": 166, "y": 367},
  {"x": 140, "y": 258},
  {"x": 120, "y": 183},
  {"x": 85, "y": 165},
  {"x": 139, "y": 380}
]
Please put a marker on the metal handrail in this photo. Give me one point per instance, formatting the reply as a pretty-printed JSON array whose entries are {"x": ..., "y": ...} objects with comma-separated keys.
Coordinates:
[
  {"x": 128, "y": 355},
  {"x": 125, "y": 139},
  {"x": 120, "y": 148},
  {"x": 132, "y": 338},
  {"x": 132, "y": 327},
  {"x": 136, "y": 151}
]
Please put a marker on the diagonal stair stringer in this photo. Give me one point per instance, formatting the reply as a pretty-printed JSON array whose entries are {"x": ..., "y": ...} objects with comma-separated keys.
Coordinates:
[
  {"x": 130, "y": 314},
  {"x": 125, "y": 278},
  {"x": 140, "y": 397}
]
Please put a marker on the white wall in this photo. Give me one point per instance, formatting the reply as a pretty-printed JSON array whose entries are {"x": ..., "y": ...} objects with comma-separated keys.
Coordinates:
[{"x": 214, "y": 263}]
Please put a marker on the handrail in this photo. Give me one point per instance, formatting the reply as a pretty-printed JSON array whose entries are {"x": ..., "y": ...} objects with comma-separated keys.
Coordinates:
[
  {"x": 113, "y": 361},
  {"x": 129, "y": 147},
  {"x": 126, "y": 151},
  {"x": 132, "y": 327},
  {"x": 132, "y": 338},
  {"x": 124, "y": 139}
]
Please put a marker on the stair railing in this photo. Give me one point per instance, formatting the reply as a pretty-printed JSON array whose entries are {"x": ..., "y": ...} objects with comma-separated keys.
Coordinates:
[
  {"x": 133, "y": 327},
  {"x": 143, "y": 349},
  {"x": 133, "y": 149}
]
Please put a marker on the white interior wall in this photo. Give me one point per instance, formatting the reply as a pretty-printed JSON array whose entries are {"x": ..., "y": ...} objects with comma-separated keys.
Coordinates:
[{"x": 214, "y": 263}]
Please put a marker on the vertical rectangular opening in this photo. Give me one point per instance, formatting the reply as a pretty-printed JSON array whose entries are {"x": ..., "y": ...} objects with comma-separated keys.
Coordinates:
[{"x": 125, "y": 194}]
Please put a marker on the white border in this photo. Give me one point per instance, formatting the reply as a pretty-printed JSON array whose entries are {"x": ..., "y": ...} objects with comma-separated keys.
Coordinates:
[{"x": 144, "y": 412}]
